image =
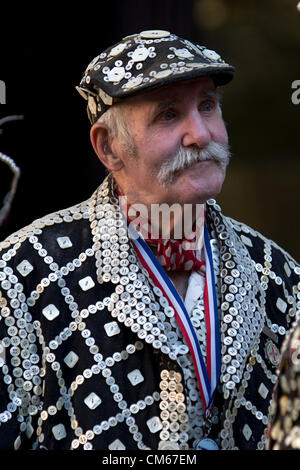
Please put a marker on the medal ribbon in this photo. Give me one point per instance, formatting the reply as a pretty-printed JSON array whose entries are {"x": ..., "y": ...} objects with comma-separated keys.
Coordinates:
[{"x": 208, "y": 374}]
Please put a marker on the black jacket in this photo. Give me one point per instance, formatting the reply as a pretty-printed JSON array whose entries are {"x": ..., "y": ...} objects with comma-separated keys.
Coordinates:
[{"x": 76, "y": 372}]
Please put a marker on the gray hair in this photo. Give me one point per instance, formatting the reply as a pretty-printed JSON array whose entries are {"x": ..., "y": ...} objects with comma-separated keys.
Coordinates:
[{"x": 115, "y": 121}]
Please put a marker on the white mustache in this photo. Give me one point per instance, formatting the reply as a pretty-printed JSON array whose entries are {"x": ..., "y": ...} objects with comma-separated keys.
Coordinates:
[{"x": 185, "y": 157}]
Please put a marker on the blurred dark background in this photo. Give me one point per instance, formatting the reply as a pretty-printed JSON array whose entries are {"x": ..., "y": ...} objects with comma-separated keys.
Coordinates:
[{"x": 44, "y": 52}]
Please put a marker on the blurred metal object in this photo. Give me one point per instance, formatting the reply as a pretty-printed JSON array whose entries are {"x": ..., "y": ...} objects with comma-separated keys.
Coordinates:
[
  {"x": 7, "y": 201},
  {"x": 2, "y": 92},
  {"x": 6, "y": 119}
]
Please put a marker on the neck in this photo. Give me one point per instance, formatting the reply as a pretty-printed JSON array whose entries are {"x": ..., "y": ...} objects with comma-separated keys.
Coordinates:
[{"x": 162, "y": 219}]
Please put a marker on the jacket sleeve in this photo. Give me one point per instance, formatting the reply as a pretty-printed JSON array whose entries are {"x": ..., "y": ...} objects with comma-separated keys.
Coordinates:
[{"x": 20, "y": 365}]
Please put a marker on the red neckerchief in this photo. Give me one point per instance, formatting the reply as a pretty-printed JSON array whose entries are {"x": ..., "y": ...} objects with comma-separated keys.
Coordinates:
[{"x": 173, "y": 255}]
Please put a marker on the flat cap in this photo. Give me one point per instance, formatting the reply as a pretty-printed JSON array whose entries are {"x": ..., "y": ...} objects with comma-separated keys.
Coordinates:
[{"x": 145, "y": 61}]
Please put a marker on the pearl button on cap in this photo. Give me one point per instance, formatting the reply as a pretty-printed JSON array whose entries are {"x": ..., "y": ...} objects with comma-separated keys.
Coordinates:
[
  {"x": 133, "y": 82},
  {"x": 140, "y": 54},
  {"x": 155, "y": 34},
  {"x": 116, "y": 74},
  {"x": 210, "y": 54},
  {"x": 117, "y": 49}
]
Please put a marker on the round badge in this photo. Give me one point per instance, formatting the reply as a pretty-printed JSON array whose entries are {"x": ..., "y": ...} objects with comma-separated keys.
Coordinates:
[
  {"x": 155, "y": 34},
  {"x": 206, "y": 444},
  {"x": 272, "y": 353}
]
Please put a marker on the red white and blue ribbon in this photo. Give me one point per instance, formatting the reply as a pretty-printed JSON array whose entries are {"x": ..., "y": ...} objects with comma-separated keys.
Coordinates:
[{"x": 208, "y": 374}]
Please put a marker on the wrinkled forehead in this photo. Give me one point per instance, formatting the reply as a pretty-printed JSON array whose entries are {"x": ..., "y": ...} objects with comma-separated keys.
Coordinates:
[
  {"x": 175, "y": 94},
  {"x": 197, "y": 86}
]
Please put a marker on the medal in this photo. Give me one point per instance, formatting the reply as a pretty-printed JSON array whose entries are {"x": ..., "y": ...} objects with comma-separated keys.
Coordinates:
[
  {"x": 272, "y": 353},
  {"x": 205, "y": 444}
]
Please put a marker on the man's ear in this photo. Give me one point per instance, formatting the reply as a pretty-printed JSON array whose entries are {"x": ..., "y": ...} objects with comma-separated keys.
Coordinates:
[{"x": 102, "y": 144}]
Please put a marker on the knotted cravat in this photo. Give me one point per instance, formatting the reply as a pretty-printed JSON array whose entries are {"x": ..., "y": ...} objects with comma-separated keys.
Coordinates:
[{"x": 173, "y": 255}]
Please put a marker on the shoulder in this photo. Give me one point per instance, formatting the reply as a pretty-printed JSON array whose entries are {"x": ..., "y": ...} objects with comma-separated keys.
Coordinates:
[
  {"x": 51, "y": 256},
  {"x": 276, "y": 271},
  {"x": 58, "y": 230},
  {"x": 265, "y": 251},
  {"x": 48, "y": 248}
]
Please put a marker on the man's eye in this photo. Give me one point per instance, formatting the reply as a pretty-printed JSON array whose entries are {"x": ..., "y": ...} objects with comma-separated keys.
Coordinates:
[
  {"x": 167, "y": 115},
  {"x": 207, "y": 106}
]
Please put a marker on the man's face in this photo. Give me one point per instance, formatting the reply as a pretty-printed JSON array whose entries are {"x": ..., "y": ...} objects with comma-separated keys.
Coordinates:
[{"x": 183, "y": 115}]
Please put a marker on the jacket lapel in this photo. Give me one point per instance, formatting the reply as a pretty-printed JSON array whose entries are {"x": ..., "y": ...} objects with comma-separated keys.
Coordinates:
[{"x": 241, "y": 301}]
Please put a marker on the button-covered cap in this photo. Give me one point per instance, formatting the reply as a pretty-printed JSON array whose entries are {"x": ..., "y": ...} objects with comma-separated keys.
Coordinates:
[{"x": 144, "y": 61}]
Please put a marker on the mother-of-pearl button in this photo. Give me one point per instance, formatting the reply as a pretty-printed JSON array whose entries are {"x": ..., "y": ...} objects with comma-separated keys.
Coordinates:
[
  {"x": 92, "y": 105},
  {"x": 133, "y": 82},
  {"x": 105, "y": 97},
  {"x": 116, "y": 74},
  {"x": 140, "y": 54},
  {"x": 184, "y": 53},
  {"x": 117, "y": 49},
  {"x": 210, "y": 54},
  {"x": 163, "y": 73},
  {"x": 154, "y": 34}
]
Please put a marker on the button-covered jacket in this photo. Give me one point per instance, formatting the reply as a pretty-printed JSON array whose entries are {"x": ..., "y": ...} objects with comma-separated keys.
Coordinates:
[{"x": 85, "y": 351}]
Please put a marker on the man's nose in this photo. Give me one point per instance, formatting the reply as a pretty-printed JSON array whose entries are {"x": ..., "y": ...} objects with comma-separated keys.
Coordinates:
[{"x": 196, "y": 131}]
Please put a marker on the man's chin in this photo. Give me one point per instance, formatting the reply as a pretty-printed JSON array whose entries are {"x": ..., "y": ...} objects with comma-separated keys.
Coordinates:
[{"x": 194, "y": 187}]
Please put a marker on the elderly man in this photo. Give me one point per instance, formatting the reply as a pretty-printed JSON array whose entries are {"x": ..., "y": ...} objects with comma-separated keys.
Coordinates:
[{"x": 143, "y": 318}]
